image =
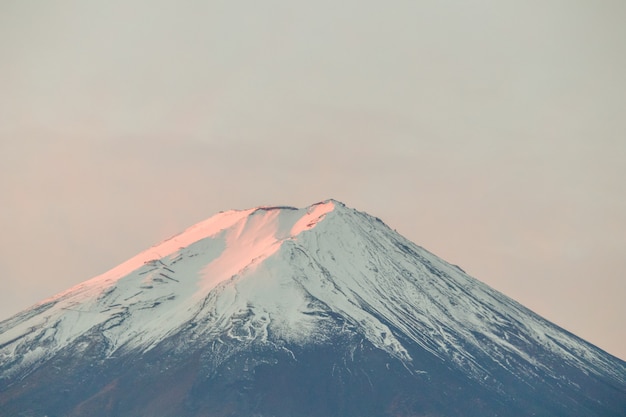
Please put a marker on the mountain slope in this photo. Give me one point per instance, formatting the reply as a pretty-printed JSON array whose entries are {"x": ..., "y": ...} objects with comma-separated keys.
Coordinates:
[{"x": 283, "y": 311}]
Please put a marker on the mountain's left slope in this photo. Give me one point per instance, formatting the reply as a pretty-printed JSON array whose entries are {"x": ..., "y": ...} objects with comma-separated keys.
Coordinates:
[
  {"x": 139, "y": 303},
  {"x": 277, "y": 311}
]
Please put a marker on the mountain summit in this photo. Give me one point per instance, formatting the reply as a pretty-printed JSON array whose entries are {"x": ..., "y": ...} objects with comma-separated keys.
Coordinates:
[{"x": 278, "y": 311}]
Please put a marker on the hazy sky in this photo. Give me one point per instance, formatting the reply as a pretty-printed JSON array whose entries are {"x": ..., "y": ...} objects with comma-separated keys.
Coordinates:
[{"x": 492, "y": 133}]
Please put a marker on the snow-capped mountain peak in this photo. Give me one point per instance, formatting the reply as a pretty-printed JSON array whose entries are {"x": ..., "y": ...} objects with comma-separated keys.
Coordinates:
[{"x": 281, "y": 279}]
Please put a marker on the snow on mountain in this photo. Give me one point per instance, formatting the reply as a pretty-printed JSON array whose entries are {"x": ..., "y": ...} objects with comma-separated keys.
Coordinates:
[
  {"x": 279, "y": 274},
  {"x": 154, "y": 293}
]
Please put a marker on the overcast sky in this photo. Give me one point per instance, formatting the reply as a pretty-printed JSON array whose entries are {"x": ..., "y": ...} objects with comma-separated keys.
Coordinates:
[{"x": 492, "y": 133}]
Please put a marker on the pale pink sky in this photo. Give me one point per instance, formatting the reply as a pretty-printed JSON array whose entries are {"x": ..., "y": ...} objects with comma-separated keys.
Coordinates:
[{"x": 493, "y": 135}]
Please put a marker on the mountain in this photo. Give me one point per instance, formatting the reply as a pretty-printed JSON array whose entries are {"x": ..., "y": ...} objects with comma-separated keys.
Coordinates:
[{"x": 278, "y": 311}]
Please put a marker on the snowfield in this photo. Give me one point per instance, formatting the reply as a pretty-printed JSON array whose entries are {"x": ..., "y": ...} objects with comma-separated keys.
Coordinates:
[{"x": 272, "y": 274}]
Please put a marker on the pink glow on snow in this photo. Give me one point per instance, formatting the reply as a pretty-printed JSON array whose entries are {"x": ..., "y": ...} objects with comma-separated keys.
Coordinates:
[
  {"x": 255, "y": 238},
  {"x": 248, "y": 242},
  {"x": 249, "y": 237},
  {"x": 207, "y": 228},
  {"x": 314, "y": 214}
]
